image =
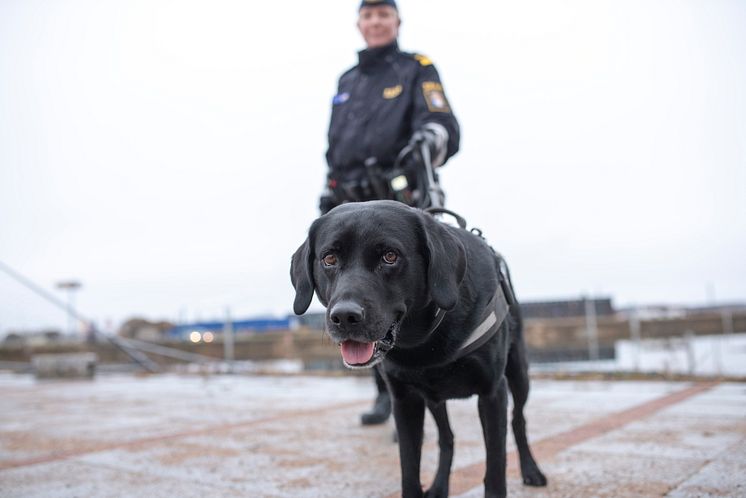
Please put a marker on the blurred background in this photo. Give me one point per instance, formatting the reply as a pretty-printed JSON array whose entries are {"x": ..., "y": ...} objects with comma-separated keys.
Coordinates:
[{"x": 160, "y": 161}]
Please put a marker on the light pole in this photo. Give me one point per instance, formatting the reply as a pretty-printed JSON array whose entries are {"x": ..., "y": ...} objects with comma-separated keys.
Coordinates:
[
  {"x": 591, "y": 327},
  {"x": 70, "y": 286}
]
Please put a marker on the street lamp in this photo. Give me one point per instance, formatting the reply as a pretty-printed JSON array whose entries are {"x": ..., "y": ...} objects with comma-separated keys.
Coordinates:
[{"x": 70, "y": 286}]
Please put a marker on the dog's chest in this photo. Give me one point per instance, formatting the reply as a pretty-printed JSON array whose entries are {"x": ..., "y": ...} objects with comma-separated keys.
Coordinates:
[{"x": 458, "y": 380}]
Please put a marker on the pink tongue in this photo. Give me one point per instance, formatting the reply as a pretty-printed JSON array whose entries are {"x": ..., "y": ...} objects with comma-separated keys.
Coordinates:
[{"x": 356, "y": 353}]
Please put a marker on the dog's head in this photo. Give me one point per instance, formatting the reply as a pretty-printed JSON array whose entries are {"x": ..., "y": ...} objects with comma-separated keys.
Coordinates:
[{"x": 371, "y": 264}]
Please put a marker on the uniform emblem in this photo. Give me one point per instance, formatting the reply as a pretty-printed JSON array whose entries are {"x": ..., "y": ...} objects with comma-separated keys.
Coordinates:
[
  {"x": 434, "y": 96},
  {"x": 341, "y": 98},
  {"x": 392, "y": 92}
]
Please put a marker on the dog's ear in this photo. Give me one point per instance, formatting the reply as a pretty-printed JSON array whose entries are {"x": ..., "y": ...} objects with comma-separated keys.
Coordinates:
[
  {"x": 301, "y": 275},
  {"x": 446, "y": 263}
]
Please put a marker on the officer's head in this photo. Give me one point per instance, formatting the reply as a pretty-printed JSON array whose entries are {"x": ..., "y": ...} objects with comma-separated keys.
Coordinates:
[{"x": 378, "y": 22}]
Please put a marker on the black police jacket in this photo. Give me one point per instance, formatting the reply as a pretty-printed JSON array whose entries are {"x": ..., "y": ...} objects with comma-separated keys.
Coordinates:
[{"x": 380, "y": 103}]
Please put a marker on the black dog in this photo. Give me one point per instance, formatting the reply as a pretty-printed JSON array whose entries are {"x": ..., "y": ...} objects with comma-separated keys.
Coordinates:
[{"x": 434, "y": 305}]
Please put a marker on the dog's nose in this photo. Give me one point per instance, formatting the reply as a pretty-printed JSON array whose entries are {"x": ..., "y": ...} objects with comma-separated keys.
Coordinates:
[{"x": 347, "y": 314}]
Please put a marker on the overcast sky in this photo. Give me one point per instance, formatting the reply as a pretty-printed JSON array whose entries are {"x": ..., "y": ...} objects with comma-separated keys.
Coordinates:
[{"x": 169, "y": 154}]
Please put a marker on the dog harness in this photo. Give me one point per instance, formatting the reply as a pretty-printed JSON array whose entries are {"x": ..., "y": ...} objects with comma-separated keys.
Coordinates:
[
  {"x": 497, "y": 308},
  {"x": 496, "y": 311},
  {"x": 494, "y": 315}
]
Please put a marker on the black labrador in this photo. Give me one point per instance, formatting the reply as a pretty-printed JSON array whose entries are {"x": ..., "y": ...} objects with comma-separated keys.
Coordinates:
[{"x": 433, "y": 305}]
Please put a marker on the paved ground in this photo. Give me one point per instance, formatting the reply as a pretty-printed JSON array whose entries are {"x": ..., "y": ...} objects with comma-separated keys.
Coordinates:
[{"x": 170, "y": 435}]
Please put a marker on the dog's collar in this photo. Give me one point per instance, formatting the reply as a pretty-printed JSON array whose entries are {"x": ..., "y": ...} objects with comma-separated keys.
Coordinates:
[{"x": 440, "y": 313}]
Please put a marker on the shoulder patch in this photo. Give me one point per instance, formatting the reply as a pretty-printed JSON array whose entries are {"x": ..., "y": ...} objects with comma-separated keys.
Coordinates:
[
  {"x": 423, "y": 60},
  {"x": 434, "y": 97},
  {"x": 341, "y": 98}
]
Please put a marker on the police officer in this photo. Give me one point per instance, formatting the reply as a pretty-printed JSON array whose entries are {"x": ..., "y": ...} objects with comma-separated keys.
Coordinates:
[{"x": 389, "y": 100}]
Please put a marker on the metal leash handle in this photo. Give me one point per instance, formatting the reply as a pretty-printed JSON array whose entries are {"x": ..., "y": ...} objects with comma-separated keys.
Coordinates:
[{"x": 434, "y": 192}]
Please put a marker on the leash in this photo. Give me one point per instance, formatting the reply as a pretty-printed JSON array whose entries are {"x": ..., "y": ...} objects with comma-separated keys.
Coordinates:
[
  {"x": 434, "y": 192},
  {"x": 441, "y": 210}
]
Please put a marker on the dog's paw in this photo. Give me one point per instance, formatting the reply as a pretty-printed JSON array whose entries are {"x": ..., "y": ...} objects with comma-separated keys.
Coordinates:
[
  {"x": 436, "y": 492},
  {"x": 534, "y": 477}
]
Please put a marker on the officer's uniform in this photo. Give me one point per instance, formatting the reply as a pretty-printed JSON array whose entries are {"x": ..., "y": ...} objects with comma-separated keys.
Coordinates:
[{"x": 380, "y": 103}]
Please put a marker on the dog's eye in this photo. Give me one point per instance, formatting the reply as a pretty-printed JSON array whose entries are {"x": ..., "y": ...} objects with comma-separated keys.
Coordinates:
[
  {"x": 330, "y": 260},
  {"x": 390, "y": 257}
]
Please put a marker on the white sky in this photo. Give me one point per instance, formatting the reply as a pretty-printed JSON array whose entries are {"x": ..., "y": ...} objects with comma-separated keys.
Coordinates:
[{"x": 169, "y": 154}]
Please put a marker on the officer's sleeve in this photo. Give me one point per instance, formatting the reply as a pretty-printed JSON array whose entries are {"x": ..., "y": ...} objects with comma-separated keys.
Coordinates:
[
  {"x": 432, "y": 106},
  {"x": 334, "y": 121}
]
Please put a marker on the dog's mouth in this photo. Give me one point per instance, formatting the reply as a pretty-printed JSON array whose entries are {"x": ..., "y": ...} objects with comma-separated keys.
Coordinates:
[{"x": 356, "y": 354}]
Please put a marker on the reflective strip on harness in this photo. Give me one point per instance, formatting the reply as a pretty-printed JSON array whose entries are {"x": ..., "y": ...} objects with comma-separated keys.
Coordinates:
[
  {"x": 489, "y": 326},
  {"x": 481, "y": 330}
]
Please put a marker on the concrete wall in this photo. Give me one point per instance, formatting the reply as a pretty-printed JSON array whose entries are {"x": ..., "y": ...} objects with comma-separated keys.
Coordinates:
[
  {"x": 571, "y": 332},
  {"x": 565, "y": 335}
]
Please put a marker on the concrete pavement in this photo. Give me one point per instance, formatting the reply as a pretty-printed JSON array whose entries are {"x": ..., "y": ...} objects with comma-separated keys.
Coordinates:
[{"x": 278, "y": 436}]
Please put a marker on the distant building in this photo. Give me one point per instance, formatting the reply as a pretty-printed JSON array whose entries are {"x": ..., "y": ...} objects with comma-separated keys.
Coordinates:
[
  {"x": 535, "y": 309},
  {"x": 144, "y": 330},
  {"x": 313, "y": 321},
  {"x": 566, "y": 308},
  {"x": 183, "y": 332},
  {"x": 33, "y": 338},
  {"x": 672, "y": 311}
]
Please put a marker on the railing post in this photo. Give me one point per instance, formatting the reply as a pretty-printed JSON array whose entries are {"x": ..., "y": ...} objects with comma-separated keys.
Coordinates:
[
  {"x": 591, "y": 328},
  {"x": 228, "y": 346},
  {"x": 634, "y": 333}
]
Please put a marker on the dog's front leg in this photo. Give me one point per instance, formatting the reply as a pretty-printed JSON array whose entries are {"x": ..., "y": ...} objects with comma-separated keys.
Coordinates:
[
  {"x": 409, "y": 415},
  {"x": 439, "y": 488},
  {"x": 493, "y": 412}
]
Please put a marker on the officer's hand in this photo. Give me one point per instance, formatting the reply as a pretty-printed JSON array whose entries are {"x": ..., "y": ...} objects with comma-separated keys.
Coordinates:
[
  {"x": 435, "y": 137},
  {"x": 327, "y": 202}
]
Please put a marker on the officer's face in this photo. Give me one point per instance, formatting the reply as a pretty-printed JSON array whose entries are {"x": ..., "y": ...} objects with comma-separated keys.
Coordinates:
[{"x": 379, "y": 25}]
